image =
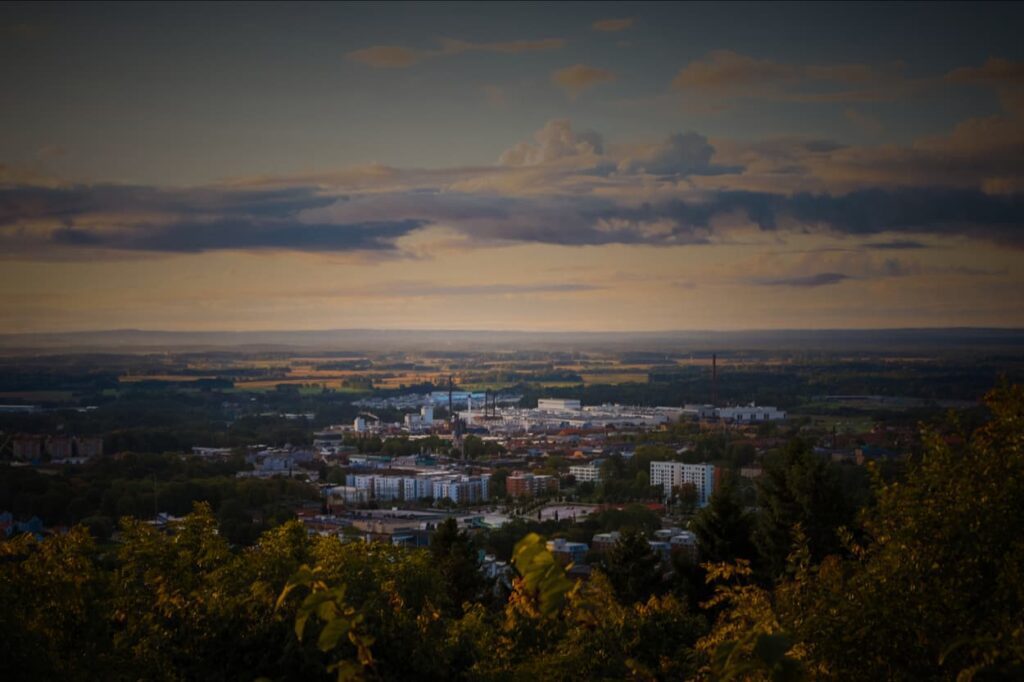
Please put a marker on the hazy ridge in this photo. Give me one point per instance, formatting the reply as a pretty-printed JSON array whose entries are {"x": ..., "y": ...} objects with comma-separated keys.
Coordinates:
[{"x": 134, "y": 340}]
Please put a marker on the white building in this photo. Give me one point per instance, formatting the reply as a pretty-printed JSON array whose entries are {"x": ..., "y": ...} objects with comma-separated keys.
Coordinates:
[
  {"x": 686, "y": 542},
  {"x": 558, "y": 405},
  {"x": 347, "y": 494},
  {"x": 457, "y": 488},
  {"x": 568, "y": 552},
  {"x": 586, "y": 473},
  {"x": 750, "y": 414},
  {"x": 671, "y": 475}
]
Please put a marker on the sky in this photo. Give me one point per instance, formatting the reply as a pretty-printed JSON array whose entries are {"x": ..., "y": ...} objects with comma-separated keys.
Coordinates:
[{"x": 528, "y": 166}]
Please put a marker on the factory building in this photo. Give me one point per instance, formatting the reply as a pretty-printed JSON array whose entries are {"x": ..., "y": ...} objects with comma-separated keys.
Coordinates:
[
  {"x": 750, "y": 414},
  {"x": 558, "y": 405}
]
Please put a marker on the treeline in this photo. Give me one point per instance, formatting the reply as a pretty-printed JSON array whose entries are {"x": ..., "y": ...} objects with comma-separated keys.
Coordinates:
[
  {"x": 185, "y": 607},
  {"x": 101, "y": 493}
]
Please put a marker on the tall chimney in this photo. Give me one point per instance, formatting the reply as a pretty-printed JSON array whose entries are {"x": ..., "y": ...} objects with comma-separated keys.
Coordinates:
[{"x": 714, "y": 380}]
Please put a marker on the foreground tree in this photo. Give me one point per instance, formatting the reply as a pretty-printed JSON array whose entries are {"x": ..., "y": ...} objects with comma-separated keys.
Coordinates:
[
  {"x": 798, "y": 487},
  {"x": 632, "y": 568},
  {"x": 456, "y": 559},
  {"x": 936, "y": 591},
  {"x": 724, "y": 528}
]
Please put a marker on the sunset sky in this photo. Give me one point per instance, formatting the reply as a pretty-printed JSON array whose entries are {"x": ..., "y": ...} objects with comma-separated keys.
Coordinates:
[{"x": 511, "y": 166}]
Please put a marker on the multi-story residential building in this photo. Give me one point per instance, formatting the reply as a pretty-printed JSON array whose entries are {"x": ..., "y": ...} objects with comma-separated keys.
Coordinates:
[
  {"x": 457, "y": 488},
  {"x": 387, "y": 488},
  {"x": 347, "y": 495},
  {"x": 59, "y": 447},
  {"x": 28, "y": 447},
  {"x": 587, "y": 473},
  {"x": 88, "y": 446},
  {"x": 671, "y": 475},
  {"x": 520, "y": 484}
]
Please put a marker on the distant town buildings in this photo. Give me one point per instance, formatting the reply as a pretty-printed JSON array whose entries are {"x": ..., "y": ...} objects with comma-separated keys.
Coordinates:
[
  {"x": 31, "y": 447},
  {"x": 285, "y": 461},
  {"x": 500, "y": 414}
]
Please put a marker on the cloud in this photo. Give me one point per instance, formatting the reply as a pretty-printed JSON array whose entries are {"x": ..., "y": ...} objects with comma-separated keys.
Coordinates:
[
  {"x": 679, "y": 154},
  {"x": 728, "y": 71},
  {"x": 865, "y": 123},
  {"x": 980, "y": 153},
  {"x": 725, "y": 74},
  {"x": 562, "y": 187},
  {"x": 556, "y": 140},
  {"x": 612, "y": 25},
  {"x": 895, "y": 245},
  {"x": 1006, "y": 76},
  {"x": 817, "y": 280},
  {"x": 397, "y": 56},
  {"x": 579, "y": 77},
  {"x": 995, "y": 71},
  {"x": 429, "y": 289},
  {"x": 133, "y": 218},
  {"x": 114, "y": 218}
]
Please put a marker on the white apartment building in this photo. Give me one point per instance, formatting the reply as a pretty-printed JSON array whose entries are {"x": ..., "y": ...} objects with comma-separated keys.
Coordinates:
[
  {"x": 671, "y": 475},
  {"x": 586, "y": 473},
  {"x": 457, "y": 488}
]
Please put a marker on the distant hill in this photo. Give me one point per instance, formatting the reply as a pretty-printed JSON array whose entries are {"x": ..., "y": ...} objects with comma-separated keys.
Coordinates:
[{"x": 986, "y": 340}]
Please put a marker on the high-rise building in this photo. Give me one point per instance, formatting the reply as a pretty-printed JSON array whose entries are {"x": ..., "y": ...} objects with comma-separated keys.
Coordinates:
[{"x": 670, "y": 475}]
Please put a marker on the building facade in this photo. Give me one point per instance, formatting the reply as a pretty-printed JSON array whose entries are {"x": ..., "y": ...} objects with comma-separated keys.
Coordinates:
[{"x": 670, "y": 475}]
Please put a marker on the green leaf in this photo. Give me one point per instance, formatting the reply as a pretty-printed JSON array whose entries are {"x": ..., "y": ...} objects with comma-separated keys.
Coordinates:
[{"x": 332, "y": 632}]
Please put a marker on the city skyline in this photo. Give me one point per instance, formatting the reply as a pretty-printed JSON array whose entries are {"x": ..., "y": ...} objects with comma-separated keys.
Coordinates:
[{"x": 542, "y": 167}]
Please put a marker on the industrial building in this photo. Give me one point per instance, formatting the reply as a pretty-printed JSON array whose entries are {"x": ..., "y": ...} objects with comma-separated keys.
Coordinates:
[
  {"x": 558, "y": 405},
  {"x": 740, "y": 414}
]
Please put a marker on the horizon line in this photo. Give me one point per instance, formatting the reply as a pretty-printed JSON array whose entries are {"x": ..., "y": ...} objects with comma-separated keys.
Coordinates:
[{"x": 747, "y": 330}]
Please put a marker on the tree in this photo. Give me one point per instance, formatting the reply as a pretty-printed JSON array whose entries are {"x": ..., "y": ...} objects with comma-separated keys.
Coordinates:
[
  {"x": 798, "y": 487},
  {"x": 688, "y": 497},
  {"x": 723, "y": 528},
  {"x": 632, "y": 567},
  {"x": 496, "y": 484},
  {"x": 936, "y": 590},
  {"x": 455, "y": 557}
]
